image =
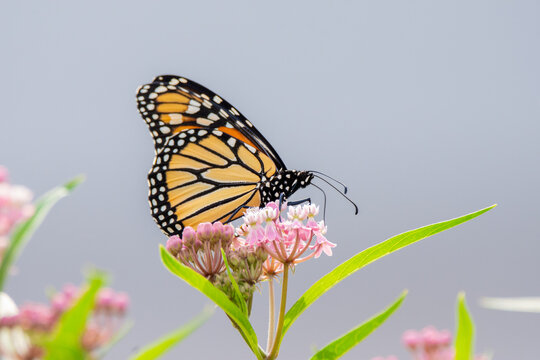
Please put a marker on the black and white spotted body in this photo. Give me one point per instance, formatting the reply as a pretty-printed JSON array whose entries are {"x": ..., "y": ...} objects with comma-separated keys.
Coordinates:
[{"x": 284, "y": 182}]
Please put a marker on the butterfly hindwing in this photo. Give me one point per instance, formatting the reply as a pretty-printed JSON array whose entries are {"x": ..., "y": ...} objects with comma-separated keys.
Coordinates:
[{"x": 204, "y": 174}]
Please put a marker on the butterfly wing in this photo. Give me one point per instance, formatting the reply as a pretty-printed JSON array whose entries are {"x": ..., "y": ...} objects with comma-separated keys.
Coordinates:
[
  {"x": 210, "y": 160},
  {"x": 205, "y": 176},
  {"x": 172, "y": 104}
]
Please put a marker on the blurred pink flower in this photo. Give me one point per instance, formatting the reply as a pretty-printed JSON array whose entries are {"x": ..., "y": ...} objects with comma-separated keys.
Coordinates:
[
  {"x": 428, "y": 344},
  {"x": 37, "y": 321},
  {"x": 15, "y": 206}
]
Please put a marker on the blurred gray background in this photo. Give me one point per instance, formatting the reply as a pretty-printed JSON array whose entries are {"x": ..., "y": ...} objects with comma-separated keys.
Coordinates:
[{"x": 427, "y": 110}]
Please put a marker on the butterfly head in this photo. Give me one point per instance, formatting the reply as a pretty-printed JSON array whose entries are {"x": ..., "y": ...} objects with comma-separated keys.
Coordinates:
[{"x": 301, "y": 179}]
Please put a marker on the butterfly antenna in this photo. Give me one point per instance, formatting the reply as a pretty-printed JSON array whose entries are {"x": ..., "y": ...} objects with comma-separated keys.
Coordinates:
[
  {"x": 324, "y": 204},
  {"x": 342, "y": 194},
  {"x": 331, "y": 178}
]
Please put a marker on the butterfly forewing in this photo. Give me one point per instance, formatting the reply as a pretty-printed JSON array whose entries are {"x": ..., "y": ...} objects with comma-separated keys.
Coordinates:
[{"x": 173, "y": 104}]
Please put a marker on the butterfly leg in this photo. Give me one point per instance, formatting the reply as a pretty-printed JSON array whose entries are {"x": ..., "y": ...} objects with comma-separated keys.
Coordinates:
[
  {"x": 236, "y": 212},
  {"x": 281, "y": 200},
  {"x": 292, "y": 203}
]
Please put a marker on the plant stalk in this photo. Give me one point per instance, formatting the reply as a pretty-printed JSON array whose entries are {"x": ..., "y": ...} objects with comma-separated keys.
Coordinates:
[
  {"x": 271, "y": 314},
  {"x": 283, "y": 304}
]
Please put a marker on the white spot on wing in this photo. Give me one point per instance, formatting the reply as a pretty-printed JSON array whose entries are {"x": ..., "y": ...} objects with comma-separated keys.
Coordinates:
[
  {"x": 203, "y": 121},
  {"x": 175, "y": 119},
  {"x": 160, "y": 89},
  {"x": 213, "y": 116}
]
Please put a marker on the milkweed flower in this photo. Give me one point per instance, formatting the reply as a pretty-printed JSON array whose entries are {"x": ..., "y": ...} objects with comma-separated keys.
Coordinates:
[
  {"x": 14, "y": 343},
  {"x": 36, "y": 322},
  {"x": 429, "y": 344},
  {"x": 201, "y": 249},
  {"x": 291, "y": 241},
  {"x": 15, "y": 206}
]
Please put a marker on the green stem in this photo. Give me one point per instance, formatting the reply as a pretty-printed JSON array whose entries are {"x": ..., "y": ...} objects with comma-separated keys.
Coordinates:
[
  {"x": 283, "y": 304},
  {"x": 249, "y": 304},
  {"x": 271, "y": 314}
]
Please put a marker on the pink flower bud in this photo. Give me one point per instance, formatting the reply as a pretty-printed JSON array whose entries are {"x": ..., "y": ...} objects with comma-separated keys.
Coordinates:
[
  {"x": 412, "y": 339},
  {"x": 204, "y": 231},
  {"x": 445, "y": 338},
  {"x": 121, "y": 302},
  {"x": 70, "y": 291},
  {"x": 188, "y": 236},
  {"x": 228, "y": 233},
  {"x": 217, "y": 231},
  {"x": 105, "y": 299},
  {"x": 430, "y": 337},
  {"x": 174, "y": 244},
  {"x": 60, "y": 303}
]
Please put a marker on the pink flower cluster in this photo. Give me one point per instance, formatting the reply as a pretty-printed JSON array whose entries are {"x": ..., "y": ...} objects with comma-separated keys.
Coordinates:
[
  {"x": 201, "y": 249},
  {"x": 107, "y": 301},
  {"x": 38, "y": 320},
  {"x": 286, "y": 241},
  {"x": 15, "y": 206},
  {"x": 428, "y": 344}
]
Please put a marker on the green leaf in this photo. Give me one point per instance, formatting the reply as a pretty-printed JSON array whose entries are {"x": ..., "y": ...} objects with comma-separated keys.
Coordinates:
[
  {"x": 166, "y": 343},
  {"x": 65, "y": 341},
  {"x": 521, "y": 304},
  {"x": 200, "y": 283},
  {"x": 465, "y": 331},
  {"x": 24, "y": 230},
  {"x": 240, "y": 302},
  {"x": 339, "y": 347},
  {"x": 366, "y": 257}
]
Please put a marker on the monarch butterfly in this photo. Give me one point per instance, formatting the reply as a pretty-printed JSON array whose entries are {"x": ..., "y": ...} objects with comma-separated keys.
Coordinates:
[{"x": 210, "y": 161}]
